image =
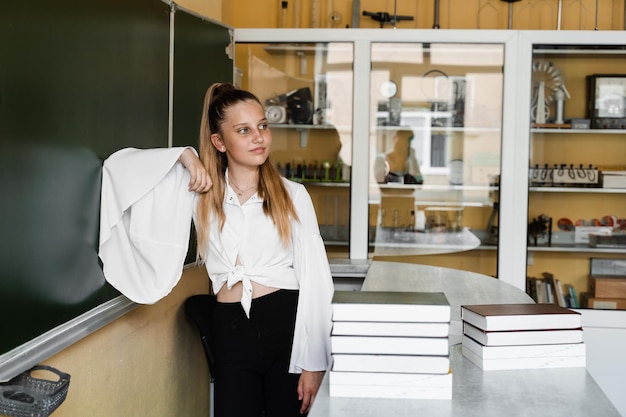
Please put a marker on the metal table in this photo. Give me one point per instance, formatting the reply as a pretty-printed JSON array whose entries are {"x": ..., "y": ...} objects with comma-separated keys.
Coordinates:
[{"x": 566, "y": 392}]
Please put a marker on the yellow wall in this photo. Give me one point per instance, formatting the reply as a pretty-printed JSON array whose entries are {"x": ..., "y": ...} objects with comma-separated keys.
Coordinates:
[
  {"x": 453, "y": 14},
  {"x": 149, "y": 362},
  {"x": 209, "y": 8}
]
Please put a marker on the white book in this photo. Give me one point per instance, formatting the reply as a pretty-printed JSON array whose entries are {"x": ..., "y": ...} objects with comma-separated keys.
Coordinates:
[
  {"x": 371, "y": 328},
  {"x": 390, "y": 306},
  {"x": 523, "y": 351},
  {"x": 614, "y": 179},
  {"x": 525, "y": 363},
  {"x": 390, "y": 385},
  {"x": 523, "y": 337},
  {"x": 389, "y": 345},
  {"x": 425, "y": 364}
]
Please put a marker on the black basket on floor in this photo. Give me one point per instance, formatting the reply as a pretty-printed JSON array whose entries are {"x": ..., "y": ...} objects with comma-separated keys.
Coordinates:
[{"x": 27, "y": 396}]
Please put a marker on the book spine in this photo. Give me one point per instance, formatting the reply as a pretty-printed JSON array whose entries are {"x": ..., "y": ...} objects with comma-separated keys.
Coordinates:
[
  {"x": 523, "y": 351},
  {"x": 526, "y": 363},
  {"x": 389, "y": 345},
  {"x": 394, "y": 392},
  {"x": 389, "y": 385},
  {"x": 573, "y": 299},
  {"x": 420, "y": 364}
]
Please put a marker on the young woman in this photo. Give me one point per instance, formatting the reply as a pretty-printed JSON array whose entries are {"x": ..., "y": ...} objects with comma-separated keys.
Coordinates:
[{"x": 259, "y": 239}]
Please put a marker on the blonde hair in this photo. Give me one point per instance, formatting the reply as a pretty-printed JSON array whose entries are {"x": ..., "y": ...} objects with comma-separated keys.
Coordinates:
[{"x": 277, "y": 203}]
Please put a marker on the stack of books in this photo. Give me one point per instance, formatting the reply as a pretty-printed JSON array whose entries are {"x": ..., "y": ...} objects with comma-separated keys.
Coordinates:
[
  {"x": 390, "y": 345},
  {"x": 522, "y": 336},
  {"x": 549, "y": 289}
]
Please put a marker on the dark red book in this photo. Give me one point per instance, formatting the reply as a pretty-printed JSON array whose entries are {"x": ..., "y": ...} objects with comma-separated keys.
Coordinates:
[{"x": 503, "y": 317}]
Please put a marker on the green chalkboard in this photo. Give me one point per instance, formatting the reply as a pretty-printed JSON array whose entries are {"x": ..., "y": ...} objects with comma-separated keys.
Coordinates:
[
  {"x": 200, "y": 59},
  {"x": 78, "y": 81},
  {"x": 85, "y": 73},
  {"x": 49, "y": 217}
]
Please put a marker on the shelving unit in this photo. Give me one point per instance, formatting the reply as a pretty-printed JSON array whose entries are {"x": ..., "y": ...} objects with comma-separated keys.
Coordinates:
[
  {"x": 568, "y": 131},
  {"x": 577, "y": 190},
  {"x": 510, "y": 257},
  {"x": 302, "y": 129},
  {"x": 576, "y": 55},
  {"x": 355, "y": 129}
]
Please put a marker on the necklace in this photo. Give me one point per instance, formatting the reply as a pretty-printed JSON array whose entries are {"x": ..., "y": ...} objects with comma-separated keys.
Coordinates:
[{"x": 238, "y": 189}]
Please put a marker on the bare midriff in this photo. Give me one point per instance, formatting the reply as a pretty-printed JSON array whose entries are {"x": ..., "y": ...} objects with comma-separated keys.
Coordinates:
[{"x": 234, "y": 294}]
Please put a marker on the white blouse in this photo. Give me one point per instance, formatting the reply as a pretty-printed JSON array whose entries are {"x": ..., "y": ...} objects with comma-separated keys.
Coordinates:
[{"x": 145, "y": 221}]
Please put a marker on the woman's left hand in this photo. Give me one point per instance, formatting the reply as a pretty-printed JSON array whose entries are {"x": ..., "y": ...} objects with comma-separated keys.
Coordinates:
[
  {"x": 308, "y": 385},
  {"x": 200, "y": 181}
]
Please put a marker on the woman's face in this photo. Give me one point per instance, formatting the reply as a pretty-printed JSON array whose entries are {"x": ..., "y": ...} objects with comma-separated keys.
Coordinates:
[{"x": 245, "y": 135}]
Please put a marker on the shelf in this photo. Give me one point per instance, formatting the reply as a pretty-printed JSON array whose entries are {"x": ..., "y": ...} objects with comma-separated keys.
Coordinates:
[
  {"x": 577, "y": 190},
  {"x": 303, "y": 129},
  {"x": 439, "y": 203},
  {"x": 443, "y": 129},
  {"x": 422, "y": 187},
  {"x": 579, "y": 131},
  {"x": 568, "y": 255},
  {"x": 283, "y": 48},
  {"x": 301, "y": 126},
  {"x": 336, "y": 184},
  {"x": 487, "y": 241},
  {"x": 574, "y": 248},
  {"x": 426, "y": 116},
  {"x": 577, "y": 50},
  {"x": 564, "y": 241},
  {"x": 336, "y": 243},
  {"x": 449, "y": 195},
  {"x": 401, "y": 242}
]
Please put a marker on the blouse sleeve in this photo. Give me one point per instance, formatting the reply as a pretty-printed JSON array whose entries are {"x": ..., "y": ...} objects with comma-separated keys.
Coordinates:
[
  {"x": 145, "y": 218},
  {"x": 311, "y": 346}
]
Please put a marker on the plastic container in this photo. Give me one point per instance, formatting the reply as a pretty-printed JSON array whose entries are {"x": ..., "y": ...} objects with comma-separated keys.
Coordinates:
[{"x": 28, "y": 396}]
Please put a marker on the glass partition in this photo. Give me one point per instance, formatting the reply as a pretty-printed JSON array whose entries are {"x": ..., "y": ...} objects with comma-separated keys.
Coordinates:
[
  {"x": 435, "y": 152},
  {"x": 307, "y": 91},
  {"x": 576, "y": 243}
]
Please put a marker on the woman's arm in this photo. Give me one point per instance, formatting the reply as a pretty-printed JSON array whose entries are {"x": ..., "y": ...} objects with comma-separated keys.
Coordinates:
[
  {"x": 308, "y": 385},
  {"x": 200, "y": 181}
]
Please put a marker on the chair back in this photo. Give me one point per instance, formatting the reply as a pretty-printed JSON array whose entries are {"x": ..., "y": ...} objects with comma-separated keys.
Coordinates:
[{"x": 199, "y": 310}]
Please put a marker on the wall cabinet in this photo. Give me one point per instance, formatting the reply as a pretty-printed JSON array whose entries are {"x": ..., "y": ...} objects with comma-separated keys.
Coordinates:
[
  {"x": 502, "y": 193},
  {"x": 401, "y": 143},
  {"x": 577, "y": 153},
  {"x": 419, "y": 122}
]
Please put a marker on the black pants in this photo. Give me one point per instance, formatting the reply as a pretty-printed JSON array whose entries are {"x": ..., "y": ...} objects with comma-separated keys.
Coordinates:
[{"x": 252, "y": 358}]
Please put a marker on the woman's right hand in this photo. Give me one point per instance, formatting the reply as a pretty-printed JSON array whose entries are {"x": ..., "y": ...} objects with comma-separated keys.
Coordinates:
[{"x": 200, "y": 181}]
